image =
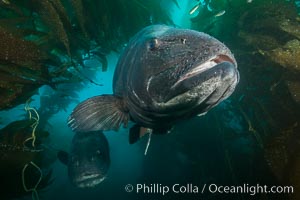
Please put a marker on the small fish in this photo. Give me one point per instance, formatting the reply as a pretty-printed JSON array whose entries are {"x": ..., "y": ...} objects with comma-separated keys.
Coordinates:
[
  {"x": 261, "y": 52},
  {"x": 193, "y": 10},
  {"x": 209, "y": 8},
  {"x": 249, "y": 1},
  {"x": 220, "y": 13}
]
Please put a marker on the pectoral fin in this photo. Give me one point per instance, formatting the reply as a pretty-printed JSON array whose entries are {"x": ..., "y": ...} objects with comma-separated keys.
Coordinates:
[
  {"x": 105, "y": 112},
  {"x": 137, "y": 132}
]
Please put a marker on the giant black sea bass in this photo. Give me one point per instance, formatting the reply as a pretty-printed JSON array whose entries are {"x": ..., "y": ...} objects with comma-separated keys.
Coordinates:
[{"x": 164, "y": 75}]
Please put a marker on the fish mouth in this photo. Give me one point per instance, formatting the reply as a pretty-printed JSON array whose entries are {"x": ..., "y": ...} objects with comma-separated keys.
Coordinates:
[
  {"x": 89, "y": 180},
  {"x": 210, "y": 81},
  {"x": 205, "y": 66}
]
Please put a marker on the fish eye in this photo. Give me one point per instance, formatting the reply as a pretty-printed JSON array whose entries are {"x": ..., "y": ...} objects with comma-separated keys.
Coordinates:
[
  {"x": 183, "y": 40},
  {"x": 98, "y": 152},
  {"x": 153, "y": 44}
]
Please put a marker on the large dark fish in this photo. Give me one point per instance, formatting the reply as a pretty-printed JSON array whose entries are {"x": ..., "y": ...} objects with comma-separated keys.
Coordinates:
[
  {"x": 164, "y": 75},
  {"x": 88, "y": 161}
]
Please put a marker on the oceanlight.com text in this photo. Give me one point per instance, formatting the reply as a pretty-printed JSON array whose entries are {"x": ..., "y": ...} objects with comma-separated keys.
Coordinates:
[{"x": 190, "y": 188}]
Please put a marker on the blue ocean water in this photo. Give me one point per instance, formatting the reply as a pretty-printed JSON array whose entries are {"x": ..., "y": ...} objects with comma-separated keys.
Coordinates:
[{"x": 249, "y": 139}]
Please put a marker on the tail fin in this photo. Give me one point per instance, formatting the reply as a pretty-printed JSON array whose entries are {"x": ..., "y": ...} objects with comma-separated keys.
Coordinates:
[{"x": 105, "y": 112}]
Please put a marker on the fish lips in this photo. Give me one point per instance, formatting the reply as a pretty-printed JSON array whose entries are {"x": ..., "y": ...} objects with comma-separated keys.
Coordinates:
[
  {"x": 87, "y": 176},
  {"x": 87, "y": 180},
  {"x": 219, "y": 65}
]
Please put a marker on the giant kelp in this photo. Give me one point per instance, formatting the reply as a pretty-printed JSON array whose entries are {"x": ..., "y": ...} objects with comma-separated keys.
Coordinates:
[
  {"x": 53, "y": 101},
  {"x": 271, "y": 40},
  {"x": 265, "y": 43},
  {"x": 20, "y": 66},
  {"x": 19, "y": 160},
  {"x": 25, "y": 157},
  {"x": 264, "y": 36},
  {"x": 44, "y": 42}
]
